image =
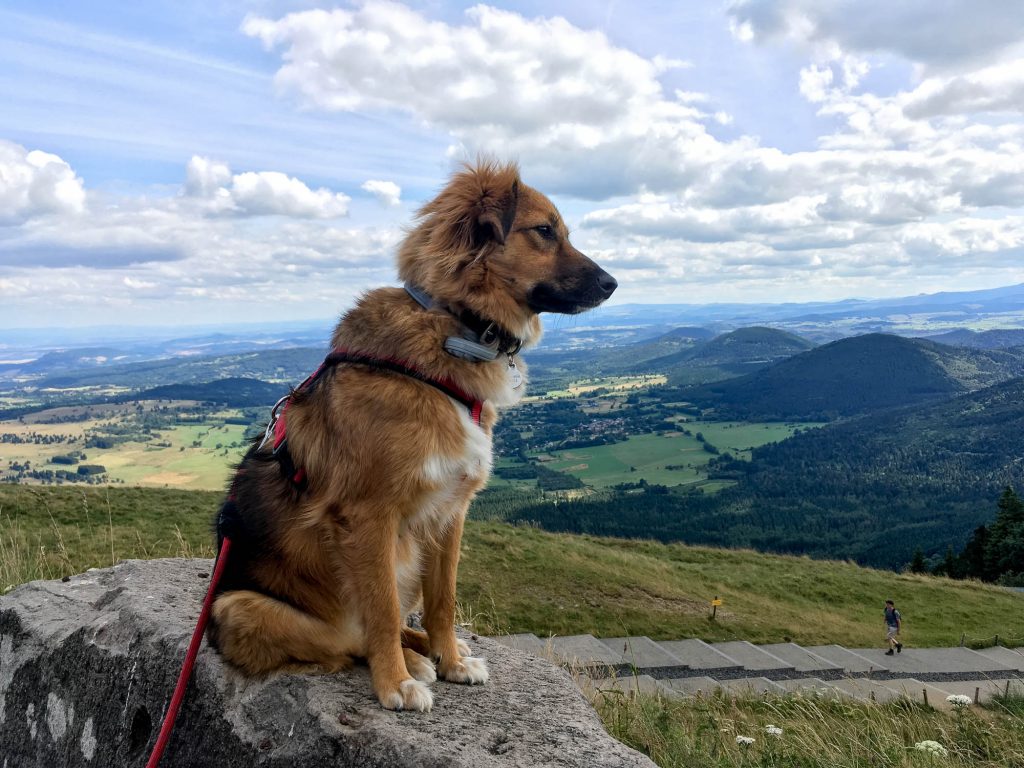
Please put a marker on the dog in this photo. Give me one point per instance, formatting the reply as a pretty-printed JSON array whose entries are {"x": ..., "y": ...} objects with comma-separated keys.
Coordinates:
[{"x": 352, "y": 516}]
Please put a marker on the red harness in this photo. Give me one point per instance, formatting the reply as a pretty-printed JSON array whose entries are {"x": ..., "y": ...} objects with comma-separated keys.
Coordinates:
[{"x": 276, "y": 427}]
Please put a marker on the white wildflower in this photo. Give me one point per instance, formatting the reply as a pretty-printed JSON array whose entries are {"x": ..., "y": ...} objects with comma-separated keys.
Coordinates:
[
  {"x": 744, "y": 741},
  {"x": 932, "y": 748},
  {"x": 959, "y": 701},
  {"x": 773, "y": 730}
]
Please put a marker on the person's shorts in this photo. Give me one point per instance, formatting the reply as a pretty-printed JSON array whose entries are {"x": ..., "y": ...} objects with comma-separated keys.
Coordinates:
[{"x": 890, "y": 631}]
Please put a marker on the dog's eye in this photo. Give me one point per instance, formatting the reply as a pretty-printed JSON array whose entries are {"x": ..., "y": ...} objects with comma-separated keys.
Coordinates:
[{"x": 545, "y": 231}]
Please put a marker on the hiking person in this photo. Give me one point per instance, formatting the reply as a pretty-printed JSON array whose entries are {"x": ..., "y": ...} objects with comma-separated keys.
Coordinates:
[{"x": 893, "y": 624}]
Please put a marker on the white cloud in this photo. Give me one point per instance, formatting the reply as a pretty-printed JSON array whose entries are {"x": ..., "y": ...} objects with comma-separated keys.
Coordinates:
[
  {"x": 955, "y": 33},
  {"x": 999, "y": 88},
  {"x": 35, "y": 183},
  {"x": 586, "y": 116},
  {"x": 915, "y": 179},
  {"x": 387, "y": 192},
  {"x": 263, "y": 193}
]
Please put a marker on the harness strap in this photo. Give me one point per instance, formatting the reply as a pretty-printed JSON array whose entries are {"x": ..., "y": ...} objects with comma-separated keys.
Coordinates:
[{"x": 297, "y": 475}]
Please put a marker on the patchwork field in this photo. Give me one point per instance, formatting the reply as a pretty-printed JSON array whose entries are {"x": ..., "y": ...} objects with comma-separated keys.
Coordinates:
[
  {"x": 609, "y": 384},
  {"x": 668, "y": 459},
  {"x": 193, "y": 456}
]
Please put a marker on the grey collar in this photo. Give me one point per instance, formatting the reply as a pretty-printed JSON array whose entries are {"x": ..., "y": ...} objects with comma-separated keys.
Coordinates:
[{"x": 470, "y": 344}]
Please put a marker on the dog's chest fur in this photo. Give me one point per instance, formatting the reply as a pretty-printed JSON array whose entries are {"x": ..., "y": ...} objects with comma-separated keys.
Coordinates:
[{"x": 449, "y": 480}]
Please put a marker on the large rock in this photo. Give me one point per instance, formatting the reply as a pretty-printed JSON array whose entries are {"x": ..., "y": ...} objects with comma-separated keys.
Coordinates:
[{"x": 87, "y": 667}]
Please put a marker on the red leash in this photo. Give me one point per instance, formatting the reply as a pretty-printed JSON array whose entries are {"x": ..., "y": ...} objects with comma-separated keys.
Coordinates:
[{"x": 190, "y": 658}]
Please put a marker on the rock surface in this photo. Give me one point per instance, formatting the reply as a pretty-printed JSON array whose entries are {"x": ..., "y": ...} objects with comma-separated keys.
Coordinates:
[{"x": 88, "y": 665}]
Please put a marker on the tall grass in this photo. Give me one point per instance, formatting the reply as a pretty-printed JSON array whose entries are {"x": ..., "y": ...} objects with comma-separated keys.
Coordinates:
[
  {"x": 816, "y": 732},
  {"x": 522, "y": 579},
  {"x": 48, "y": 533}
]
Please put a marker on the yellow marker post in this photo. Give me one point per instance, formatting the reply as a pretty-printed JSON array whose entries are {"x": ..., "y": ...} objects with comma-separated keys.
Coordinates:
[{"x": 714, "y": 606}]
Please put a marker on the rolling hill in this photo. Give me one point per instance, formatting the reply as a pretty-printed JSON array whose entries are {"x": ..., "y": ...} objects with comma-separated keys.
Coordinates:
[
  {"x": 997, "y": 338},
  {"x": 728, "y": 355},
  {"x": 520, "y": 579},
  {"x": 857, "y": 375},
  {"x": 872, "y": 489},
  {"x": 234, "y": 392}
]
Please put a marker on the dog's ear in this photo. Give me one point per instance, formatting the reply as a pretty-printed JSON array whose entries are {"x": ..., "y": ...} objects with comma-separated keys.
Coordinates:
[
  {"x": 497, "y": 215},
  {"x": 471, "y": 216}
]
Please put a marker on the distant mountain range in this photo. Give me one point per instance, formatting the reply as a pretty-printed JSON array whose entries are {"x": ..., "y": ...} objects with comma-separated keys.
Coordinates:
[
  {"x": 29, "y": 353},
  {"x": 857, "y": 375},
  {"x": 999, "y": 338}
]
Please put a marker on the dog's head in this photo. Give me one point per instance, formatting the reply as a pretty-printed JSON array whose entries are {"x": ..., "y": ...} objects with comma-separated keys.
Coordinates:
[{"x": 493, "y": 245}]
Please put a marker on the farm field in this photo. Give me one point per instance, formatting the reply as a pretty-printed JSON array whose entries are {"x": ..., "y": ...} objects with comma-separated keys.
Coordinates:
[
  {"x": 667, "y": 459},
  {"x": 192, "y": 456},
  {"x": 613, "y": 384}
]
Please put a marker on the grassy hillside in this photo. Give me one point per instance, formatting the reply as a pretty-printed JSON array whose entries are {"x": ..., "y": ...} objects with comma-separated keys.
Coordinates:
[
  {"x": 857, "y": 375},
  {"x": 520, "y": 579}
]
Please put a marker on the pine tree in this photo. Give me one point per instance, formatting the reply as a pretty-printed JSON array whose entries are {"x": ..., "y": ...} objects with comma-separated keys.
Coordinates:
[
  {"x": 950, "y": 565},
  {"x": 972, "y": 559},
  {"x": 1005, "y": 550},
  {"x": 917, "y": 563}
]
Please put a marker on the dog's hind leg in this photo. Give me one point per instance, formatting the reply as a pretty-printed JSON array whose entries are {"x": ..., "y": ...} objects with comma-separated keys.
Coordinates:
[{"x": 259, "y": 635}]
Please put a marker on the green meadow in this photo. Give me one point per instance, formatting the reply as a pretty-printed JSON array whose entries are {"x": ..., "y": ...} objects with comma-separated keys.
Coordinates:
[
  {"x": 522, "y": 579},
  {"x": 672, "y": 458}
]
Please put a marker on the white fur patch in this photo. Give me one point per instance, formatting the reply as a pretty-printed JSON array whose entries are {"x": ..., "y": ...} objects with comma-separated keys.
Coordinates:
[
  {"x": 463, "y": 647},
  {"x": 416, "y": 696},
  {"x": 449, "y": 474},
  {"x": 472, "y": 670}
]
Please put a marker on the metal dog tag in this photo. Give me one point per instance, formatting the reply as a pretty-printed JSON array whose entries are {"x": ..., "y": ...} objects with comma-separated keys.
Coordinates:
[{"x": 513, "y": 373}]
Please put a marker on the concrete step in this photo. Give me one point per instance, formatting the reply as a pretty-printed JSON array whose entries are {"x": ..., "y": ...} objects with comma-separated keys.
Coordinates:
[
  {"x": 698, "y": 655},
  {"x": 646, "y": 655},
  {"x": 691, "y": 686},
  {"x": 526, "y": 641},
  {"x": 937, "y": 662},
  {"x": 850, "y": 662},
  {"x": 985, "y": 689},
  {"x": 1008, "y": 657},
  {"x": 815, "y": 686},
  {"x": 752, "y": 657},
  {"x": 801, "y": 659},
  {"x": 743, "y": 686},
  {"x": 867, "y": 690},
  {"x": 585, "y": 651},
  {"x": 921, "y": 692}
]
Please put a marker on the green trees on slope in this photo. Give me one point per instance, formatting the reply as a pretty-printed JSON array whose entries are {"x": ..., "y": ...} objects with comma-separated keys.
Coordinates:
[{"x": 994, "y": 552}]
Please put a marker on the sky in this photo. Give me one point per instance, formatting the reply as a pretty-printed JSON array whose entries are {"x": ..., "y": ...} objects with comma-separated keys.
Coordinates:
[{"x": 187, "y": 162}]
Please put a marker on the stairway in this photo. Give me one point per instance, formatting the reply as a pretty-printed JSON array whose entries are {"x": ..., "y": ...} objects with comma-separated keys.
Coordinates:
[{"x": 693, "y": 667}]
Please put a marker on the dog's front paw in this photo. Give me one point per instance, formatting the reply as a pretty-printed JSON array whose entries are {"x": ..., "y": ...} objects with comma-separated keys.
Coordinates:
[
  {"x": 411, "y": 694},
  {"x": 463, "y": 647},
  {"x": 470, "y": 670}
]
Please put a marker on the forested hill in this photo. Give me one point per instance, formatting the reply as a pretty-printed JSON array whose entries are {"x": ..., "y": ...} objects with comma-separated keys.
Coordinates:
[
  {"x": 872, "y": 489},
  {"x": 234, "y": 392},
  {"x": 736, "y": 352},
  {"x": 858, "y": 375},
  {"x": 997, "y": 338},
  {"x": 881, "y": 485}
]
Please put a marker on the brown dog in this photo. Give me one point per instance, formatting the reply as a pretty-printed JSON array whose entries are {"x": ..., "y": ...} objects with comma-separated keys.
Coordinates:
[{"x": 352, "y": 518}]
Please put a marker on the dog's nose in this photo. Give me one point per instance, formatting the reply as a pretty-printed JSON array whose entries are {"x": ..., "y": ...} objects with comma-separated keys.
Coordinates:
[{"x": 607, "y": 284}]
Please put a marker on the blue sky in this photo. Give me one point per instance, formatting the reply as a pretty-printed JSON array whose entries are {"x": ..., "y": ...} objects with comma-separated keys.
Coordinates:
[{"x": 165, "y": 163}]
